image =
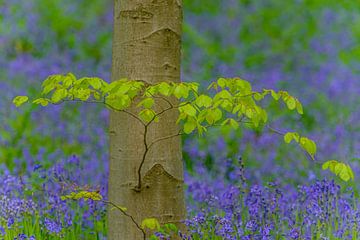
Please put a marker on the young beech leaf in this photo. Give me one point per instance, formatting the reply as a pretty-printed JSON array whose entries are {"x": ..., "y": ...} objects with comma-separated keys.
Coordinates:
[
  {"x": 291, "y": 103},
  {"x": 146, "y": 103},
  {"x": 95, "y": 82},
  {"x": 329, "y": 165},
  {"x": 150, "y": 223},
  {"x": 288, "y": 137},
  {"x": 68, "y": 80},
  {"x": 113, "y": 86},
  {"x": 42, "y": 101},
  {"x": 164, "y": 88},
  {"x": 181, "y": 91},
  {"x": 349, "y": 170},
  {"x": 188, "y": 109},
  {"x": 242, "y": 86},
  {"x": 249, "y": 112},
  {"x": 194, "y": 86},
  {"x": 189, "y": 126},
  {"x": 50, "y": 83},
  {"x": 147, "y": 115},
  {"x": 203, "y": 101},
  {"x": 82, "y": 93},
  {"x": 222, "y": 82},
  {"x": 224, "y": 94},
  {"x": 340, "y": 169},
  {"x": 213, "y": 115},
  {"x": 309, "y": 145},
  {"x": 19, "y": 100},
  {"x": 59, "y": 95},
  {"x": 274, "y": 95},
  {"x": 299, "y": 107},
  {"x": 118, "y": 102},
  {"x": 96, "y": 95},
  {"x": 258, "y": 96},
  {"x": 231, "y": 122}
]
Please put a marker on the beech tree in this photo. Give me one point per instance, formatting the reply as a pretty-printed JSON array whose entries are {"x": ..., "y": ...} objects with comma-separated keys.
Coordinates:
[
  {"x": 146, "y": 47},
  {"x": 147, "y": 101}
]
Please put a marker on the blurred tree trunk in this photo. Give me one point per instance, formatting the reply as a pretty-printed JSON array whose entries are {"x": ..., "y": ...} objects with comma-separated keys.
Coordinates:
[{"x": 146, "y": 46}]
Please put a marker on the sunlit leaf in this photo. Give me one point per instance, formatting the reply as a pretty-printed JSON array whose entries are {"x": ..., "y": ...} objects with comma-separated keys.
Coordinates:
[{"x": 19, "y": 100}]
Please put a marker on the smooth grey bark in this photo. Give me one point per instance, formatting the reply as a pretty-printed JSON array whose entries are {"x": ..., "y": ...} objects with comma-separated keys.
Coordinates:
[{"x": 146, "y": 46}]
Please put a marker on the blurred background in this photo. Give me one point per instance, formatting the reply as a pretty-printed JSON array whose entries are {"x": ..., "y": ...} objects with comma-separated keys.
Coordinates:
[{"x": 309, "y": 48}]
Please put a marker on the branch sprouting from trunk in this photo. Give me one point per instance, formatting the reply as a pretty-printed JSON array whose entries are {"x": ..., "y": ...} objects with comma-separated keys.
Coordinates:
[{"x": 127, "y": 215}]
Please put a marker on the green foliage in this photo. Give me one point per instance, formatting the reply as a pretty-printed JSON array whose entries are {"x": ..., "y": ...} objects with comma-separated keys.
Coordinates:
[
  {"x": 340, "y": 169},
  {"x": 19, "y": 100},
  {"x": 150, "y": 223},
  {"x": 82, "y": 195},
  {"x": 307, "y": 144},
  {"x": 233, "y": 103}
]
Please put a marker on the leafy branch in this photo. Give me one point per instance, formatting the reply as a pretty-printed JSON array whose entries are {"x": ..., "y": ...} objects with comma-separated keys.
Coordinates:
[
  {"x": 233, "y": 101},
  {"x": 96, "y": 196}
]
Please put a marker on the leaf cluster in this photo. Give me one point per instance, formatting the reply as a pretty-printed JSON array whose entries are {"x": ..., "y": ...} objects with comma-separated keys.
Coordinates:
[
  {"x": 340, "y": 169},
  {"x": 233, "y": 102},
  {"x": 86, "y": 195}
]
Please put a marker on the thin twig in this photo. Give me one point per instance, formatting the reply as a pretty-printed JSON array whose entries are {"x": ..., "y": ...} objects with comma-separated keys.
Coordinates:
[
  {"x": 128, "y": 215},
  {"x": 283, "y": 134},
  {"x": 164, "y": 138}
]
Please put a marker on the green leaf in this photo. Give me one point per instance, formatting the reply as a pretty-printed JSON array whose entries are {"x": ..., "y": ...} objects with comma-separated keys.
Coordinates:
[
  {"x": 181, "y": 91},
  {"x": 340, "y": 169},
  {"x": 222, "y": 82},
  {"x": 288, "y": 137},
  {"x": 224, "y": 94},
  {"x": 291, "y": 103},
  {"x": 68, "y": 80},
  {"x": 258, "y": 96},
  {"x": 299, "y": 107},
  {"x": 146, "y": 103},
  {"x": 150, "y": 223},
  {"x": 164, "y": 88},
  {"x": 188, "y": 109},
  {"x": 97, "y": 95},
  {"x": 189, "y": 126},
  {"x": 95, "y": 82},
  {"x": 118, "y": 102},
  {"x": 329, "y": 164},
  {"x": 351, "y": 173},
  {"x": 82, "y": 93},
  {"x": 309, "y": 145},
  {"x": 274, "y": 95},
  {"x": 203, "y": 101},
  {"x": 19, "y": 100},
  {"x": 59, "y": 95},
  {"x": 244, "y": 87},
  {"x": 231, "y": 122},
  {"x": 213, "y": 115},
  {"x": 249, "y": 112},
  {"x": 114, "y": 85},
  {"x": 147, "y": 115},
  {"x": 42, "y": 101},
  {"x": 194, "y": 86},
  {"x": 50, "y": 83}
]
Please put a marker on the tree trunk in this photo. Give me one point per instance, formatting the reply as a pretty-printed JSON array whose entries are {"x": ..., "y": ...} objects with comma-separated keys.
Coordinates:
[{"x": 146, "y": 46}]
